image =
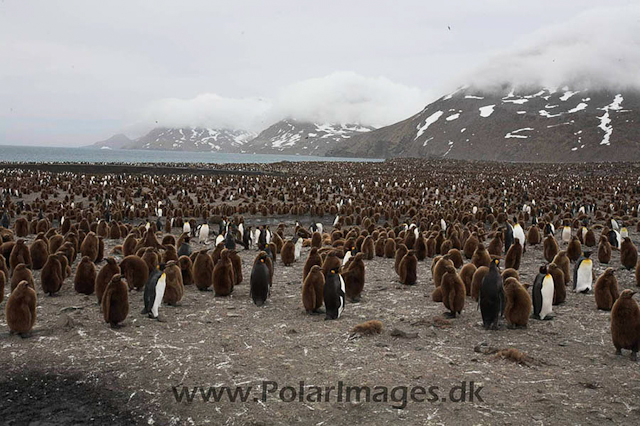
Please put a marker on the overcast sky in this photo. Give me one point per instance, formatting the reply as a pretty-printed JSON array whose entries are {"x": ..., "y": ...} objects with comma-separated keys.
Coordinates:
[{"x": 74, "y": 72}]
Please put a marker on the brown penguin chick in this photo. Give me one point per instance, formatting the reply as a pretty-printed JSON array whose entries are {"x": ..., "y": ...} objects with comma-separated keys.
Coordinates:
[
  {"x": 85, "y": 280},
  {"x": 55, "y": 242},
  {"x": 628, "y": 254},
  {"x": 517, "y": 308},
  {"x": 514, "y": 255},
  {"x": 64, "y": 264},
  {"x": 453, "y": 291},
  {"x": 21, "y": 227},
  {"x": 3, "y": 284},
  {"x": 379, "y": 246},
  {"x": 151, "y": 258},
  {"x": 625, "y": 324},
  {"x": 135, "y": 271},
  {"x": 20, "y": 312},
  {"x": 550, "y": 248},
  {"x": 51, "y": 277},
  {"x": 312, "y": 259},
  {"x": 638, "y": 274},
  {"x": 481, "y": 256},
  {"x": 354, "y": 278},
  {"x": 606, "y": 290},
  {"x": 203, "y": 271},
  {"x": 115, "y": 302},
  {"x": 287, "y": 253},
  {"x": 22, "y": 273},
  {"x": 476, "y": 282},
  {"x": 390, "y": 248},
  {"x": 129, "y": 245},
  {"x": 100, "y": 256},
  {"x": 401, "y": 251},
  {"x": 604, "y": 250},
  {"x": 186, "y": 266},
  {"x": 169, "y": 253},
  {"x": 431, "y": 247},
  {"x": 316, "y": 240},
  {"x": 495, "y": 245},
  {"x": 559, "y": 286},
  {"x": 105, "y": 274},
  {"x": 420, "y": 247},
  {"x": 574, "y": 250},
  {"x": 563, "y": 263},
  {"x": 312, "y": 290},
  {"x": 332, "y": 261},
  {"x": 236, "y": 261},
  {"x": 174, "y": 288},
  {"x": 470, "y": 245},
  {"x": 440, "y": 269},
  {"x": 223, "y": 277},
  {"x": 3, "y": 266},
  {"x": 510, "y": 272},
  {"x": 273, "y": 249},
  {"x": 215, "y": 255},
  {"x": 368, "y": 249},
  {"x": 456, "y": 257},
  {"x": 466, "y": 274},
  {"x": 39, "y": 252},
  {"x": 89, "y": 246},
  {"x": 19, "y": 254},
  {"x": 533, "y": 236},
  {"x": 590, "y": 238},
  {"x": 408, "y": 268}
]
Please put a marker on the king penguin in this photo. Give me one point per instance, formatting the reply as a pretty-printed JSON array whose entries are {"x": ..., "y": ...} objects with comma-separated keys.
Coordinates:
[
  {"x": 154, "y": 292},
  {"x": 543, "y": 289},
  {"x": 518, "y": 232},
  {"x": 491, "y": 297},
  {"x": 334, "y": 295},
  {"x": 583, "y": 274}
]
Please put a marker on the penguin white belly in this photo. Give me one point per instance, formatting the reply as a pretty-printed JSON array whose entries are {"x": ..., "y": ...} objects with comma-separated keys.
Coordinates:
[
  {"x": 204, "y": 233},
  {"x": 518, "y": 234},
  {"x": 618, "y": 240},
  {"x": 268, "y": 237},
  {"x": 566, "y": 234},
  {"x": 624, "y": 233},
  {"x": 584, "y": 233},
  {"x": 335, "y": 222},
  {"x": 320, "y": 228},
  {"x": 160, "y": 287},
  {"x": 186, "y": 227},
  {"x": 341, "y": 296},
  {"x": 346, "y": 258},
  {"x": 547, "y": 296},
  {"x": 219, "y": 239},
  {"x": 256, "y": 237},
  {"x": 298, "y": 249},
  {"x": 443, "y": 224},
  {"x": 585, "y": 276},
  {"x": 241, "y": 231}
]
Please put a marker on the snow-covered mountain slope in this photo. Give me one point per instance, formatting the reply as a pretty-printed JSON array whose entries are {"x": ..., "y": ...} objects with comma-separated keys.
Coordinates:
[
  {"x": 538, "y": 125},
  {"x": 192, "y": 139},
  {"x": 302, "y": 138}
]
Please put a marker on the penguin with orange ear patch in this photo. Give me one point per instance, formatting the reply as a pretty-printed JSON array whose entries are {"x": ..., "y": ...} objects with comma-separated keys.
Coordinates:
[{"x": 260, "y": 281}]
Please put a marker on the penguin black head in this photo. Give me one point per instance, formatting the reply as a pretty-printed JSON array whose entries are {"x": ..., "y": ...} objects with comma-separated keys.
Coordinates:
[
  {"x": 543, "y": 269},
  {"x": 586, "y": 254}
]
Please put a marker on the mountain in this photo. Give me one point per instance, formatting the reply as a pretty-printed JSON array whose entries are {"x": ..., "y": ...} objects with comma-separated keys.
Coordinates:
[
  {"x": 192, "y": 139},
  {"x": 302, "y": 138},
  {"x": 533, "y": 125},
  {"x": 114, "y": 142}
]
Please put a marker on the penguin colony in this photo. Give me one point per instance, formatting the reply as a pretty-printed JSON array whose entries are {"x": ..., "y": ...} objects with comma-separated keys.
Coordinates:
[{"x": 465, "y": 244}]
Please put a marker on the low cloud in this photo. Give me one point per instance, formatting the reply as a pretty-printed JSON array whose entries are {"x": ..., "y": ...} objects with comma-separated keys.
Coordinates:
[
  {"x": 599, "y": 48},
  {"x": 341, "y": 97}
]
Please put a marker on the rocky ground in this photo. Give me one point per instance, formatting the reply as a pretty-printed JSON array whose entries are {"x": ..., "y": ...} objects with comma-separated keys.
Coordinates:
[{"x": 74, "y": 369}]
